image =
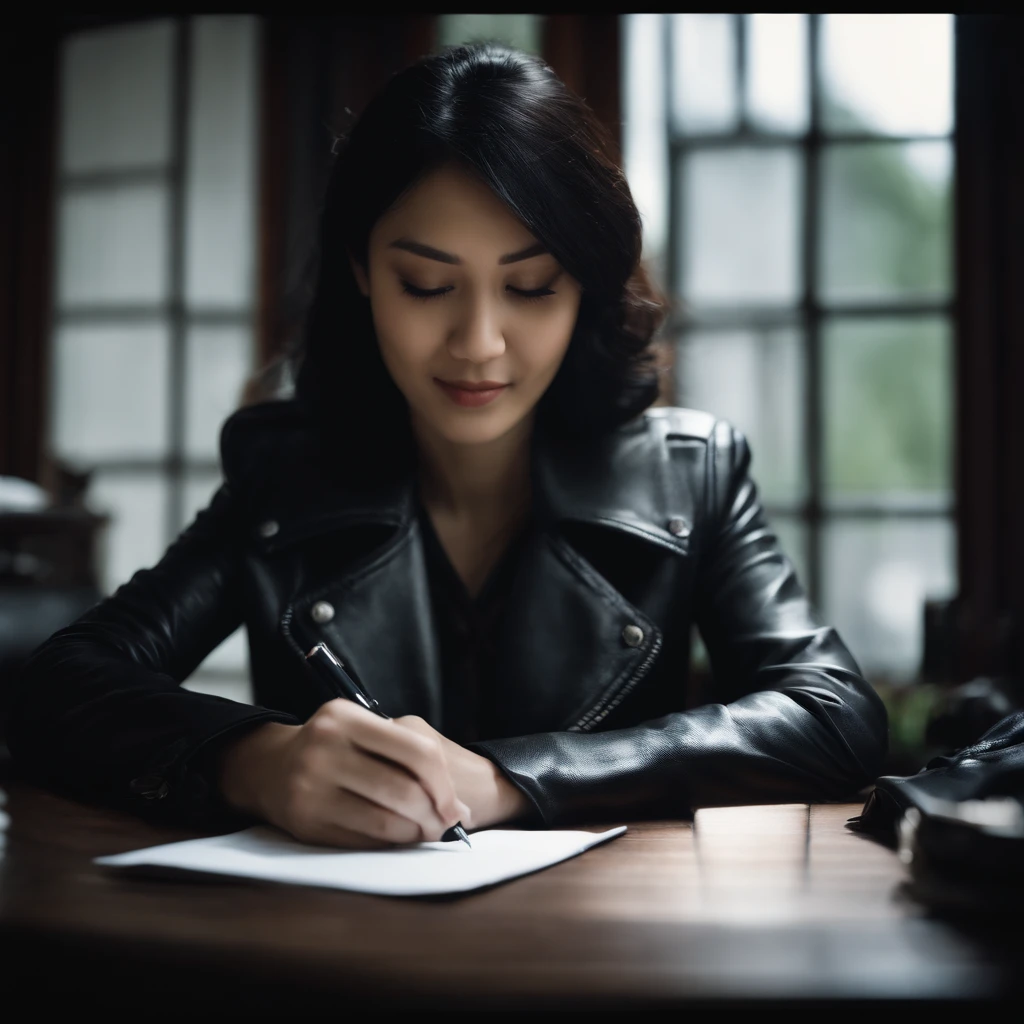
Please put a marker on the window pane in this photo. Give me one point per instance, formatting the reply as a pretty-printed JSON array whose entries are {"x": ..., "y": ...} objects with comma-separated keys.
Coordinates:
[
  {"x": 704, "y": 72},
  {"x": 888, "y": 73},
  {"x": 886, "y": 221},
  {"x": 222, "y": 162},
  {"x": 877, "y": 577},
  {"x": 232, "y": 655},
  {"x": 644, "y": 139},
  {"x": 755, "y": 380},
  {"x": 116, "y": 97},
  {"x": 136, "y": 536},
  {"x": 113, "y": 246},
  {"x": 110, "y": 391},
  {"x": 741, "y": 226},
  {"x": 777, "y": 71},
  {"x": 219, "y": 359},
  {"x": 887, "y": 394},
  {"x": 523, "y": 31}
]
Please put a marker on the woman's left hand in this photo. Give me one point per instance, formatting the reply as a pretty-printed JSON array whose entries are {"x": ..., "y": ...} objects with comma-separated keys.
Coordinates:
[{"x": 479, "y": 782}]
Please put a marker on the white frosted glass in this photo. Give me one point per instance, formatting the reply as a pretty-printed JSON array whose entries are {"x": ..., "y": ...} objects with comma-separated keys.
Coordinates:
[
  {"x": 220, "y": 189},
  {"x": 231, "y": 656},
  {"x": 756, "y": 382},
  {"x": 704, "y": 72},
  {"x": 109, "y": 395},
  {"x": 644, "y": 139},
  {"x": 886, "y": 221},
  {"x": 112, "y": 246},
  {"x": 523, "y": 31},
  {"x": 887, "y": 389},
  {"x": 218, "y": 361},
  {"x": 877, "y": 577},
  {"x": 741, "y": 226},
  {"x": 116, "y": 95},
  {"x": 777, "y": 71},
  {"x": 136, "y": 537},
  {"x": 888, "y": 73}
]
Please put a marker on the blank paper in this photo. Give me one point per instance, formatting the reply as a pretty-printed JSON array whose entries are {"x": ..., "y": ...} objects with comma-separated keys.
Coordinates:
[{"x": 425, "y": 869}]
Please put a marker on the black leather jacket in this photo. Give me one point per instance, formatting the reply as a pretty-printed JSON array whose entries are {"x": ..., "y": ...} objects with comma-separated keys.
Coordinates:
[{"x": 645, "y": 532}]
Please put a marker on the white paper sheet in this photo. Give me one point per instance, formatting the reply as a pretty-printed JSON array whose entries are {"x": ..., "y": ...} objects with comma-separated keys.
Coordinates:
[{"x": 426, "y": 869}]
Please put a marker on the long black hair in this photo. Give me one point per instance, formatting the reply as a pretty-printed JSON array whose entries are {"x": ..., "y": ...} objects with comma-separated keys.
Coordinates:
[{"x": 505, "y": 116}]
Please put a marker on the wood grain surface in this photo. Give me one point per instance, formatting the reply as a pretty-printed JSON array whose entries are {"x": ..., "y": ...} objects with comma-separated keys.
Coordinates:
[{"x": 757, "y": 903}]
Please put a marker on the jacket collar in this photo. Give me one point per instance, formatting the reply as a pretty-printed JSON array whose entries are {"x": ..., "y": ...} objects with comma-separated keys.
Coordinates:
[{"x": 295, "y": 488}]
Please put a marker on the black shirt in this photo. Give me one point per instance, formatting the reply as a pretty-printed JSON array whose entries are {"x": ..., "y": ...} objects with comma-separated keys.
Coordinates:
[{"x": 466, "y": 629}]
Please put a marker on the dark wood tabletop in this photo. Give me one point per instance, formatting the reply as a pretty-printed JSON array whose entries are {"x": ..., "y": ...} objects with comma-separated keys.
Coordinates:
[{"x": 756, "y": 903}]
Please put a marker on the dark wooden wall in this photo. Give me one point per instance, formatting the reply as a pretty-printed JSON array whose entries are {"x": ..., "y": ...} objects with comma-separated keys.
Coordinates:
[
  {"x": 28, "y": 82},
  {"x": 990, "y": 344}
]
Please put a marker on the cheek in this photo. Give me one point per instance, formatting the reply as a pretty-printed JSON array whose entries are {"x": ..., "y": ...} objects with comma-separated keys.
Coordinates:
[
  {"x": 406, "y": 334},
  {"x": 548, "y": 341}
]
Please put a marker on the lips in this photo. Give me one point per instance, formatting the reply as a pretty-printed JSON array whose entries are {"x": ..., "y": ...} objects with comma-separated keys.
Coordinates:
[{"x": 471, "y": 393}]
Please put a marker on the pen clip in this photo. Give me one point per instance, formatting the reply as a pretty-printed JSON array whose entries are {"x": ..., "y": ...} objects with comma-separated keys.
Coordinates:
[{"x": 348, "y": 672}]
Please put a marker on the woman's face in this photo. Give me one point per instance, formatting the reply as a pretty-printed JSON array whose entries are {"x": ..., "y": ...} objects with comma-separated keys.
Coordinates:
[{"x": 463, "y": 295}]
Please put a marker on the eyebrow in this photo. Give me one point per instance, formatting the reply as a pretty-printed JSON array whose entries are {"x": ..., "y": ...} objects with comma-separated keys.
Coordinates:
[{"x": 430, "y": 253}]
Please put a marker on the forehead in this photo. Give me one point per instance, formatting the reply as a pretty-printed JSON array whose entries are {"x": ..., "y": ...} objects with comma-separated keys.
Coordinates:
[{"x": 452, "y": 209}]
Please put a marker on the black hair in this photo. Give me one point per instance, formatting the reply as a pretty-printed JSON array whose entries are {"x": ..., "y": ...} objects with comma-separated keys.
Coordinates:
[{"x": 505, "y": 116}]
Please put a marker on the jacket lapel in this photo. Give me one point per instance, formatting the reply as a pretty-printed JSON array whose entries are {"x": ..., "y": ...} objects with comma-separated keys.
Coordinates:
[
  {"x": 381, "y": 627},
  {"x": 561, "y": 656}
]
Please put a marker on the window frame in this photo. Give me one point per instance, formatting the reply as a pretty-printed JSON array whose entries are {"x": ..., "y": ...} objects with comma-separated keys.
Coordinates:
[{"x": 811, "y": 312}]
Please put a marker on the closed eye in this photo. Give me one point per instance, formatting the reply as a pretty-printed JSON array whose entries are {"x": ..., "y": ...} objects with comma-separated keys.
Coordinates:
[
  {"x": 424, "y": 293},
  {"x": 532, "y": 294}
]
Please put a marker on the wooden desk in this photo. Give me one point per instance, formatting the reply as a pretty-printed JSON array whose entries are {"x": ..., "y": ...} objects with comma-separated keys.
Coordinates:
[{"x": 750, "y": 903}]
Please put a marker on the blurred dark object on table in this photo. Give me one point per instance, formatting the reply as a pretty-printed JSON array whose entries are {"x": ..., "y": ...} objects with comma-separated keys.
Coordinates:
[
  {"x": 959, "y": 824},
  {"x": 48, "y": 564},
  {"x": 964, "y": 708}
]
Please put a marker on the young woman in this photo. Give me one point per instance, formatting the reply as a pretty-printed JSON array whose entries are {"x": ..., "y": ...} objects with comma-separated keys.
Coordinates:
[{"x": 472, "y": 502}]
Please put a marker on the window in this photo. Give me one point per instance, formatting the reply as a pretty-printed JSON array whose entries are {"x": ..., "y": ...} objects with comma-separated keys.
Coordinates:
[
  {"x": 154, "y": 295},
  {"x": 523, "y": 31},
  {"x": 794, "y": 173}
]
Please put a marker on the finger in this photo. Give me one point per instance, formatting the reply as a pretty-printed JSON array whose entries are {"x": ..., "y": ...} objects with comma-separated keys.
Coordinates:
[
  {"x": 351, "y": 811},
  {"x": 421, "y": 755},
  {"x": 390, "y": 785},
  {"x": 328, "y": 833}
]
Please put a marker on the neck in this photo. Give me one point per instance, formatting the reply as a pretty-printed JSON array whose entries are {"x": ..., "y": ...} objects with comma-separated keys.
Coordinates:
[{"x": 475, "y": 483}]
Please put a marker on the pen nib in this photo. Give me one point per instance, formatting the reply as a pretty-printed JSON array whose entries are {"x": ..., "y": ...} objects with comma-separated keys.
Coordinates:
[{"x": 461, "y": 833}]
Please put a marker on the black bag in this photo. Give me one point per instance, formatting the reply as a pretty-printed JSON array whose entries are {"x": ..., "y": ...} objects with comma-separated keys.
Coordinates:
[{"x": 959, "y": 823}]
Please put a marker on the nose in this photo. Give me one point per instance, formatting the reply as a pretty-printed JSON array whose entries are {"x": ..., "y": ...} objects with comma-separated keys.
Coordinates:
[{"x": 477, "y": 335}]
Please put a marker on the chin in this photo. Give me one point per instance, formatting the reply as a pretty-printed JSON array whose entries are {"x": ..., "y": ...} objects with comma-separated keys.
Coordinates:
[
  {"x": 474, "y": 430},
  {"x": 471, "y": 426}
]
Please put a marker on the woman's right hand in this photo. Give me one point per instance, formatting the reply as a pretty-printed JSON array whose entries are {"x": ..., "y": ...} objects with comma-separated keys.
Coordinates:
[{"x": 344, "y": 778}]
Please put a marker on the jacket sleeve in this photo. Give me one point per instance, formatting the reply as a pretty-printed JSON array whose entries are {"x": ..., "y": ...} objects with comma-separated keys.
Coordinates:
[
  {"x": 801, "y": 723},
  {"x": 98, "y": 712}
]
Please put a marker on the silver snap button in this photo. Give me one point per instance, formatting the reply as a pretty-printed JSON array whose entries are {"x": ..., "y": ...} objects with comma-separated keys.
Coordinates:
[
  {"x": 678, "y": 527},
  {"x": 269, "y": 528},
  {"x": 322, "y": 611},
  {"x": 632, "y": 636}
]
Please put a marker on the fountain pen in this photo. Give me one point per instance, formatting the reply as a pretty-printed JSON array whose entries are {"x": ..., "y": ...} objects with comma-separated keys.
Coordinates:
[{"x": 324, "y": 661}]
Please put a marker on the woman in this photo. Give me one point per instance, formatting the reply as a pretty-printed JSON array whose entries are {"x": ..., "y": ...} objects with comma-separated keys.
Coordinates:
[{"x": 470, "y": 500}]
